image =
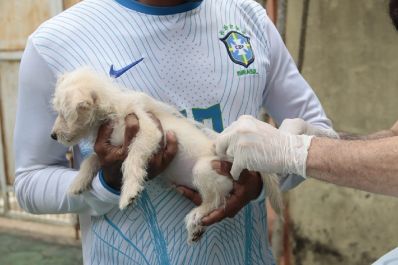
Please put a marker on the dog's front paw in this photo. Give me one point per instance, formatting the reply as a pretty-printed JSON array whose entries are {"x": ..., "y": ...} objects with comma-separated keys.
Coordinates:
[
  {"x": 196, "y": 235},
  {"x": 129, "y": 195},
  {"x": 125, "y": 201},
  {"x": 81, "y": 183},
  {"x": 194, "y": 228},
  {"x": 77, "y": 187}
]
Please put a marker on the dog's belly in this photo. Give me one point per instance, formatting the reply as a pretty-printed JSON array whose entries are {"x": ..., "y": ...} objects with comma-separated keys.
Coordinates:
[
  {"x": 179, "y": 171},
  {"x": 192, "y": 145}
]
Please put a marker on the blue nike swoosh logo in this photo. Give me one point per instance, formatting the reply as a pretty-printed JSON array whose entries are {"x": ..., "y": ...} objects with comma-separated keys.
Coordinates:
[{"x": 116, "y": 73}]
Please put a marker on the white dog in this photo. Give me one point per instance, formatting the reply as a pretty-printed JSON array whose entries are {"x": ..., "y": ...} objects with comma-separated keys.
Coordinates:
[{"x": 84, "y": 100}]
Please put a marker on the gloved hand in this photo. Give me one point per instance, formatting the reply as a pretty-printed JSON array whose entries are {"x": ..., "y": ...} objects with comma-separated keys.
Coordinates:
[
  {"x": 257, "y": 146},
  {"x": 299, "y": 126}
]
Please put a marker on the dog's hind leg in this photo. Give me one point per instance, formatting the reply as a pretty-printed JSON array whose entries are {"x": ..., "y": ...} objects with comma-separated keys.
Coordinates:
[
  {"x": 88, "y": 170},
  {"x": 213, "y": 188},
  {"x": 144, "y": 145},
  {"x": 273, "y": 192}
]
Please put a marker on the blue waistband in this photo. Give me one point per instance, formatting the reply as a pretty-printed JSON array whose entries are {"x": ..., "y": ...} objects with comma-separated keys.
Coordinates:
[{"x": 159, "y": 10}]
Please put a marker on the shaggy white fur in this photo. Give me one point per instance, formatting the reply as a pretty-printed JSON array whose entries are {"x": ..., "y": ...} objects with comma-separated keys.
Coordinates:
[{"x": 85, "y": 99}]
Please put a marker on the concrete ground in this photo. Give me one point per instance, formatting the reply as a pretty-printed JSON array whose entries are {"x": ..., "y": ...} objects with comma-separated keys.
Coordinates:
[{"x": 48, "y": 244}]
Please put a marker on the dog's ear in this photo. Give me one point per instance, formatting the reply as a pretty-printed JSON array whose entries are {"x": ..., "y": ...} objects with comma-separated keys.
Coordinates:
[
  {"x": 88, "y": 103},
  {"x": 94, "y": 96}
]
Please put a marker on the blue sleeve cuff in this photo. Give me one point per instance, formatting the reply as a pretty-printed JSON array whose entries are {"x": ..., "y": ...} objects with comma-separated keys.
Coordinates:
[{"x": 106, "y": 186}]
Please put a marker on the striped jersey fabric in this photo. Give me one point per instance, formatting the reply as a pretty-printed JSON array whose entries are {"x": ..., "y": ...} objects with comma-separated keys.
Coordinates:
[{"x": 214, "y": 60}]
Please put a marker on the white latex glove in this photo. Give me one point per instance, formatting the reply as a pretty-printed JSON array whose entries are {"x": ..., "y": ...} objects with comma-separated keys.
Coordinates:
[
  {"x": 257, "y": 146},
  {"x": 299, "y": 126}
]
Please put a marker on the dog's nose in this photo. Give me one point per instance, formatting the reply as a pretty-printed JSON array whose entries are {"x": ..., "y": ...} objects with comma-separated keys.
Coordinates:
[{"x": 54, "y": 136}]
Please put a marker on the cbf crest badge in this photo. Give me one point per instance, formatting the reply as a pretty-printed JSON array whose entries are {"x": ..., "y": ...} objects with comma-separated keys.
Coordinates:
[{"x": 238, "y": 47}]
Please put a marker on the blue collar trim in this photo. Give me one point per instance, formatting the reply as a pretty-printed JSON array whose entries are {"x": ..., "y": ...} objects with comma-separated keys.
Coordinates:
[
  {"x": 106, "y": 186},
  {"x": 160, "y": 11}
]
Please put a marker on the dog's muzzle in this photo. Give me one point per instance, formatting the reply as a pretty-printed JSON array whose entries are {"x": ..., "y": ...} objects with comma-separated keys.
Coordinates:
[{"x": 54, "y": 136}]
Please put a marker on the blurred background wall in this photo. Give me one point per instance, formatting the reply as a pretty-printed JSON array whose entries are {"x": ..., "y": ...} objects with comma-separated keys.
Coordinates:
[
  {"x": 351, "y": 61},
  {"x": 18, "y": 19}
]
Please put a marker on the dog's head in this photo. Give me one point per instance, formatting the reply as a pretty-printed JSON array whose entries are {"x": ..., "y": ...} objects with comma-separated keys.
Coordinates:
[{"x": 75, "y": 101}]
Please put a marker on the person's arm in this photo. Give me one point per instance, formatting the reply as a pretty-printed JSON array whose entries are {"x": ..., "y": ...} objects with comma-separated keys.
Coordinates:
[
  {"x": 367, "y": 165},
  {"x": 288, "y": 95},
  {"x": 393, "y": 131}
]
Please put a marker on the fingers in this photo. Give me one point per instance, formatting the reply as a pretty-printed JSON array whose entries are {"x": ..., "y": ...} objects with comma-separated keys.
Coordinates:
[
  {"x": 236, "y": 169},
  {"x": 293, "y": 126},
  {"x": 103, "y": 147},
  {"x": 160, "y": 127},
  {"x": 163, "y": 157},
  {"x": 246, "y": 189},
  {"x": 250, "y": 185},
  {"x": 222, "y": 167},
  {"x": 222, "y": 144},
  {"x": 214, "y": 217},
  {"x": 321, "y": 132},
  {"x": 190, "y": 194},
  {"x": 298, "y": 126},
  {"x": 232, "y": 207},
  {"x": 171, "y": 147},
  {"x": 104, "y": 133},
  {"x": 233, "y": 204},
  {"x": 131, "y": 130}
]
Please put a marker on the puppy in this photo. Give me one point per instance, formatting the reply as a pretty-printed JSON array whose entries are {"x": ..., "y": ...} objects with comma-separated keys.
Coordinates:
[{"x": 84, "y": 99}]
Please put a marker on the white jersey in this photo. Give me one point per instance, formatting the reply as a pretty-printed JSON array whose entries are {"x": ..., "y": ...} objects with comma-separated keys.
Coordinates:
[
  {"x": 391, "y": 258},
  {"x": 214, "y": 60}
]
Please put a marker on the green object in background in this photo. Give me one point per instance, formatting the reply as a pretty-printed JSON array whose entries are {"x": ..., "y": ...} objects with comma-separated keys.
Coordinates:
[{"x": 23, "y": 250}]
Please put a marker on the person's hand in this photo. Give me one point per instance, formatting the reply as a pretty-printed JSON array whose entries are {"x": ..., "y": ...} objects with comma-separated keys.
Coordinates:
[
  {"x": 246, "y": 189},
  {"x": 257, "y": 146},
  {"x": 111, "y": 157},
  {"x": 298, "y": 126},
  {"x": 160, "y": 161}
]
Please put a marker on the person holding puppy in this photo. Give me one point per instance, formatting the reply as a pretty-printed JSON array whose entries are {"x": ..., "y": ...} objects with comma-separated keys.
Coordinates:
[
  {"x": 368, "y": 164},
  {"x": 213, "y": 60}
]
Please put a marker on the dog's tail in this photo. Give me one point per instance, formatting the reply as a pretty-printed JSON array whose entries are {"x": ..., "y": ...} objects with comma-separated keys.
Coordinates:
[{"x": 273, "y": 192}]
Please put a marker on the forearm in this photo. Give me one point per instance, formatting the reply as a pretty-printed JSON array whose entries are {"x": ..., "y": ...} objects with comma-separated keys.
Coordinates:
[
  {"x": 373, "y": 136},
  {"x": 367, "y": 165},
  {"x": 42, "y": 177},
  {"x": 45, "y": 191}
]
